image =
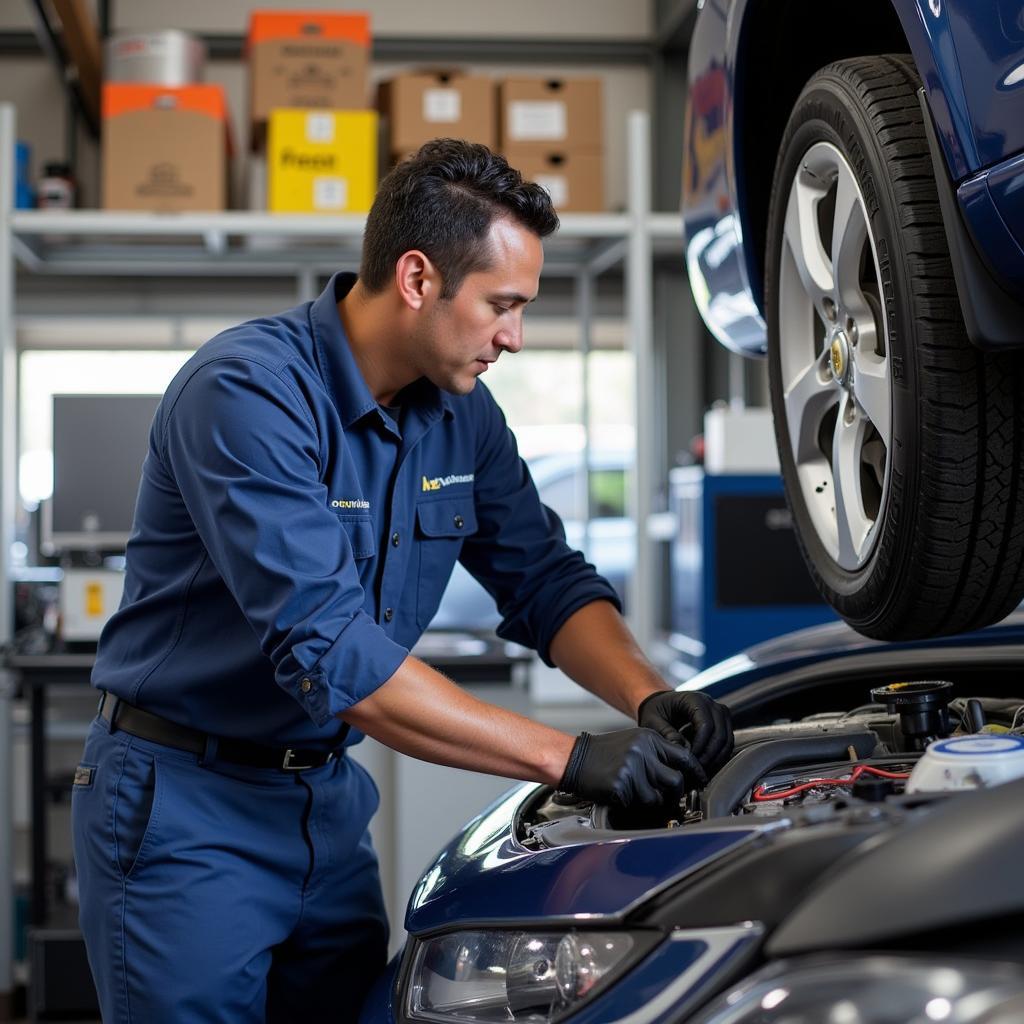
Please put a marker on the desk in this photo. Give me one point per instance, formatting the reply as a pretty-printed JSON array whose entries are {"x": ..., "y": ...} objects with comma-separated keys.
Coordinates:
[{"x": 36, "y": 672}]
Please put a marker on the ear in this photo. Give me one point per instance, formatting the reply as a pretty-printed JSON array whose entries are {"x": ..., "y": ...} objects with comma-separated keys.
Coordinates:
[{"x": 417, "y": 279}]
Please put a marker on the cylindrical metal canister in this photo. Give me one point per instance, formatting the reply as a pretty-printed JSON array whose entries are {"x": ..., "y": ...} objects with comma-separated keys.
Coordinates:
[{"x": 165, "y": 57}]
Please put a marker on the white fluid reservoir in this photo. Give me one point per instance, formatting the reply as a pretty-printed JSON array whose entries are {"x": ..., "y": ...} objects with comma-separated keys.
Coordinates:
[{"x": 968, "y": 762}]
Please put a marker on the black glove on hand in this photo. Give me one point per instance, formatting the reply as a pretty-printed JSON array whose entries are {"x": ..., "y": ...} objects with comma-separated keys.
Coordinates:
[
  {"x": 670, "y": 712},
  {"x": 633, "y": 766}
]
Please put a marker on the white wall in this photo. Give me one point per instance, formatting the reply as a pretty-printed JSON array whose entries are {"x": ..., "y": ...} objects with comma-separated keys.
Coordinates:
[{"x": 448, "y": 19}]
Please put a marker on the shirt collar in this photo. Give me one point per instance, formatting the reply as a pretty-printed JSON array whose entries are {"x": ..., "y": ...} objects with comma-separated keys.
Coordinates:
[{"x": 341, "y": 372}]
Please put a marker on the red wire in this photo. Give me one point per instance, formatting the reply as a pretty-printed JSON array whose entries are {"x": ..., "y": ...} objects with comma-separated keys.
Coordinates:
[{"x": 861, "y": 769}]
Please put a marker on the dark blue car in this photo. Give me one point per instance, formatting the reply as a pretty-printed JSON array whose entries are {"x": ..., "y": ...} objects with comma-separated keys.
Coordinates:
[
  {"x": 853, "y": 202},
  {"x": 857, "y": 861}
]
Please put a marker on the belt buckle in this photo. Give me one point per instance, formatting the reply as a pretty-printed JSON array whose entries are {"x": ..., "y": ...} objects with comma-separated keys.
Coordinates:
[{"x": 287, "y": 764}]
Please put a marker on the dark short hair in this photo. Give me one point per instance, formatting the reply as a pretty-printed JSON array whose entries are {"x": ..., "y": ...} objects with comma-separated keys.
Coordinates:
[{"x": 442, "y": 201}]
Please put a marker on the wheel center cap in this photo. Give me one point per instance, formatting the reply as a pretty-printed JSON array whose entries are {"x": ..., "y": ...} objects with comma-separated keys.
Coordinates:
[{"x": 839, "y": 357}]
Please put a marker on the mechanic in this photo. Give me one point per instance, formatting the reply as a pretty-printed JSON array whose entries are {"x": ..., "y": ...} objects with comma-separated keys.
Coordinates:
[{"x": 310, "y": 481}]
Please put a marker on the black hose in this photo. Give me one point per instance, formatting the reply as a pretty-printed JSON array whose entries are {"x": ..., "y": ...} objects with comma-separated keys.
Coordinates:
[
  {"x": 975, "y": 716},
  {"x": 729, "y": 787}
]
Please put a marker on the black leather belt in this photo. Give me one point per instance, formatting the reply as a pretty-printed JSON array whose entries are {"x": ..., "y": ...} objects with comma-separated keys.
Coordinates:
[{"x": 148, "y": 726}]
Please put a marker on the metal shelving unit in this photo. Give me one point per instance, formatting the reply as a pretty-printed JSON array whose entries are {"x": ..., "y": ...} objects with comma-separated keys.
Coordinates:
[
  {"x": 91, "y": 242},
  {"x": 241, "y": 244},
  {"x": 88, "y": 243}
]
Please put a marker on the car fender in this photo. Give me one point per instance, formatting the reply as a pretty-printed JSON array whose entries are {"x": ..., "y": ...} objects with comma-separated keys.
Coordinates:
[
  {"x": 480, "y": 877},
  {"x": 719, "y": 271},
  {"x": 725, "y": 272}
]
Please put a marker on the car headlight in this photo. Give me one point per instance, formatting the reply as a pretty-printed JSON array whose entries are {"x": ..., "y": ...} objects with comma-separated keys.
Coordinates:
[
  {"x": 530, "y": 977},
  {"x": 875, "y": 990}
]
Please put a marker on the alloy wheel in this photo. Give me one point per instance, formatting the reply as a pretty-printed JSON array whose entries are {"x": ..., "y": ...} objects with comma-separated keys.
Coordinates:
[{"x": 834, "y": 356}]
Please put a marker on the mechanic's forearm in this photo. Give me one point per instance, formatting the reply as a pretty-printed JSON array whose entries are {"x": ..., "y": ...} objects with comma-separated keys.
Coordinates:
[
  {"x": 596, "y": 649},
  {"x": 421, "y": 713}
]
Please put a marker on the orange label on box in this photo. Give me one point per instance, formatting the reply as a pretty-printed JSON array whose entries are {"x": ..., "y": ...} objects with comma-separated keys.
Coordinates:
[
  {"x": 308, "y": 26},
  {"x": 128, "y": 97}
]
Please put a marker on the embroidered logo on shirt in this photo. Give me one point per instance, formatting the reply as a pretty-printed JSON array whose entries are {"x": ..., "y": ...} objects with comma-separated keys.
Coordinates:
[
  {"x": 349, "y": 503},
  {"x": 438, "y": 482}
]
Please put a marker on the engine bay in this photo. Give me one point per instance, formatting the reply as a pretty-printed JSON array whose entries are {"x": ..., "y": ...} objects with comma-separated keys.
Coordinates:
[{"x": 912, "y": 744}]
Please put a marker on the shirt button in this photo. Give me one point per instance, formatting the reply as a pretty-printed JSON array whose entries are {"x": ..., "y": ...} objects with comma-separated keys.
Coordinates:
[
  {"x": 389, "y": 614},
  {"x": 394, "y": 540},
  {"x": 459, "y": 522},
  {"x": 307, "y": 685}
]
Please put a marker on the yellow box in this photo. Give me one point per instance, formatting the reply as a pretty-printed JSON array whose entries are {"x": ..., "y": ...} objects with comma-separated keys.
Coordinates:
[{"x": 321, "y": 161}]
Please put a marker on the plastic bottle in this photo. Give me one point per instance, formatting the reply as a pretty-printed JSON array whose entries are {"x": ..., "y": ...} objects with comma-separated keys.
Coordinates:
[{"x": 56, "y": 190}]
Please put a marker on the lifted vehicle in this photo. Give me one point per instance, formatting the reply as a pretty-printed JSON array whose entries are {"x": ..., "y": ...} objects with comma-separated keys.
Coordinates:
[
  {"x": 854, "y": 209},
  {"x": 856, "y": 860}
]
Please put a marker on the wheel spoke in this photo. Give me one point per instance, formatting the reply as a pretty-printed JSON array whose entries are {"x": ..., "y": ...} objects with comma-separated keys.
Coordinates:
[
  {"x": 871, "y": 386},
  {"x": 809, "y": 257},
  {"x": 849, "y": 232},
  {"x": 851, "y": 523},
  {"x": 864, "y": 321},
  {"x": 807, "y": 400}
]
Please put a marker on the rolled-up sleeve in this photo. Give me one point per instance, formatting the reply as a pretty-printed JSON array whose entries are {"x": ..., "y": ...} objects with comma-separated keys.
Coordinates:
[
  {"x": 244, "y": 451},
  {"x": 519, "y": 553}
]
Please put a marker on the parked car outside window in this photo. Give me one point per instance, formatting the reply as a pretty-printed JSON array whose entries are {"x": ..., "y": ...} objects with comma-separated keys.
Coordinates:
[{"x": 607, "y": 539}]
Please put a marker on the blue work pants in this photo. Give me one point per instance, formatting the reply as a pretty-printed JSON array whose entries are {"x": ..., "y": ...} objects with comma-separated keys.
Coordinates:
[{"x": 212, "y": 892}]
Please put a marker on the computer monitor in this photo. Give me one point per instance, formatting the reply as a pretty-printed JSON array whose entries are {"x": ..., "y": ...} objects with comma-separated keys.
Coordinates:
[{"x": 99, "y": 445}]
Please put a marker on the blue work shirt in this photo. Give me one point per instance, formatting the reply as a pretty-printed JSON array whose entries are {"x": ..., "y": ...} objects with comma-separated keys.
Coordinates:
[{"x": 292, "y": 541}]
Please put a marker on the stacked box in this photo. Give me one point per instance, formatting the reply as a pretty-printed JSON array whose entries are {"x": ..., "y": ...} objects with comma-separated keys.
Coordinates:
[
  {"x": 165, "y": 148},
  {"x": 313, "y": 138},
  {"x": 552, "y": 130},
  {"x": 574, "y": 180},
  {"x": 538, "y": 113},
  {"x": 431, "y": 104},
  {"x": 306, "y": 59},
  {"x": 321, "y": 161}
]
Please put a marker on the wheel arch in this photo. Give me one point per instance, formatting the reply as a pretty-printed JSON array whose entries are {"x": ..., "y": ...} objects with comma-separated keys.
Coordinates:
[{"x": 780, "y": 45}]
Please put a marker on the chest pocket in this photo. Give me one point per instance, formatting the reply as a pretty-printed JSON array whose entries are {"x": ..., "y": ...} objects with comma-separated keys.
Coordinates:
[
  {"x": 360, "y": 535},
  {"x": 441, "y": 527}
]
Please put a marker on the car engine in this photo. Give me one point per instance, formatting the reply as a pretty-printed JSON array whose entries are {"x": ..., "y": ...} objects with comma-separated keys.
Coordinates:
[{"x": 913, "y": 744}]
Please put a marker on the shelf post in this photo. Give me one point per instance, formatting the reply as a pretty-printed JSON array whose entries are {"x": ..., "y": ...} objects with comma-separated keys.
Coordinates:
[
  {"x": 585, "y": 312},
  {"x": 639, "y": 315},
  {"x": 8, "y": 484}
]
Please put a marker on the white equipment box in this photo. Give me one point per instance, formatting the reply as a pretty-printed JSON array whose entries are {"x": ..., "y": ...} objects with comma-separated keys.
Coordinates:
[
  {"x": 739, "y": 441},
  {"x": 88, "y": 597}
]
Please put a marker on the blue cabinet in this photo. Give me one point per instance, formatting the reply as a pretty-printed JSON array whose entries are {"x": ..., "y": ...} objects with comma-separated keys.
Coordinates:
[{"x": 737, "y": 573}]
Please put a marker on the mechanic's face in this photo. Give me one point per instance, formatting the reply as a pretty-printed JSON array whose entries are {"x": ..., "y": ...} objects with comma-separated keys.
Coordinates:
[{"x": 467, "y": 333}]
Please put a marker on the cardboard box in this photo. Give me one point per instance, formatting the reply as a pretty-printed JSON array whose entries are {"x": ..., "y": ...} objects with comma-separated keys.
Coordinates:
[
  {"x": 321, "y": 161},
  {"x": 431, "y": 104},
  {"x": 165, "y": 148},
  {"x": 314, "y": 59},
  {"x": 574, "y": 179},
  {"x": 542, "y": 113}
]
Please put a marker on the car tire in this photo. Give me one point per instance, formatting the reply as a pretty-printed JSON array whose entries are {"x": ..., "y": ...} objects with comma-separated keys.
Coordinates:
[{"x": 900, "y": 443}]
